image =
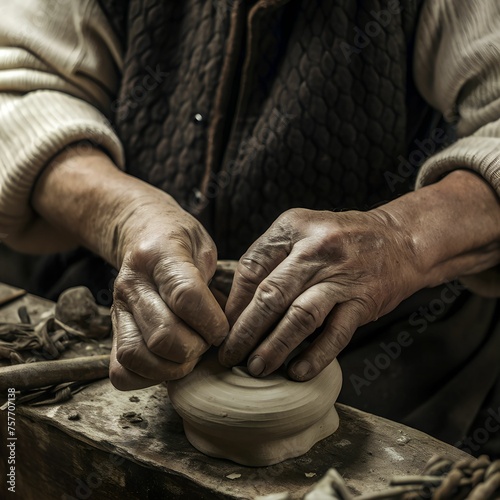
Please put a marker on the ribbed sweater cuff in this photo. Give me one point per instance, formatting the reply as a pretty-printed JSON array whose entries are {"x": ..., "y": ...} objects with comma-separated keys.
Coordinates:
[
  {"x": 33, "y": 129},
  {"x": 482, "y": 155}
]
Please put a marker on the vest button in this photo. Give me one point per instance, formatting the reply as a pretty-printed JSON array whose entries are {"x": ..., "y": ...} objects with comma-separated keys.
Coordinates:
[{"x": 199, "y": 118}]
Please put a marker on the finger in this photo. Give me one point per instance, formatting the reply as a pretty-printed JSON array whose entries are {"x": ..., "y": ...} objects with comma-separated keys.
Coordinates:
[
  {"x": 165, "y": 334},
  {"x": 133, "y": 354},
  {"x": 271, "y": 300},
  {"x": 257, "y": 263},
  {"x": 304, "y": 316},
  {"x": 340, "y": 326},
  {"x": 123, "y": 379},
  {"x": 183, "y": 288}
]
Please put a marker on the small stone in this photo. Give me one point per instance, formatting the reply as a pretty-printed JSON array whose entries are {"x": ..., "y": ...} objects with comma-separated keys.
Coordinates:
[
  {"x": 134, "y": 399},
  {"x": 404, "y": 439},
  {"x": 74, "y": 416},
  {"x": 129, "y": 414},
  {"x": 233, "y": 476},
  {"x": 135, "y": 420},
  {"x": 310, "y": 474}
]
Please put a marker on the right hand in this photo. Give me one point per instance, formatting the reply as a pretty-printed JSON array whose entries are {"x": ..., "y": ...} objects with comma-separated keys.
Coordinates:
[{"x": 164, "y": 315}]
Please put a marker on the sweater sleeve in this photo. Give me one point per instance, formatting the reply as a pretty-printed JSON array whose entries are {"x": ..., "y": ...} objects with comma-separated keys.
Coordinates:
[
  {"x": 457, "y": 70},
  {"x": 60, "y": 63}
]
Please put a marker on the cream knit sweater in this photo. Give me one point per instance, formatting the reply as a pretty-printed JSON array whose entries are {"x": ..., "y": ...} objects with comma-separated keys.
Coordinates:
[{"x": 60, "y": 67}]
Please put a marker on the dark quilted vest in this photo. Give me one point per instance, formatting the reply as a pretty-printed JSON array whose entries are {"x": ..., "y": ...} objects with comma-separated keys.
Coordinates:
[{"x": 242, "y": 110}]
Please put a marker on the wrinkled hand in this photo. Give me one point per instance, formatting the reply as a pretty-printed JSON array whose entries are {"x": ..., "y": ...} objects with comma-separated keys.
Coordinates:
[
  {"x": 164, "y": 315},
  {"x": 311, "y": 268}
]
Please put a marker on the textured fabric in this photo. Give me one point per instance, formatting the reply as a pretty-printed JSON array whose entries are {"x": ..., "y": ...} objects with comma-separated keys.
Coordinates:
[
  {"x": 59, "y": 69},
  {"x": 69, "y": 48},
  {"x": 43, "y": 128},
  {"x": 317, "y": 122},
  {"x": 458, "y": 72},
  {"x": 443, "y": 379}
]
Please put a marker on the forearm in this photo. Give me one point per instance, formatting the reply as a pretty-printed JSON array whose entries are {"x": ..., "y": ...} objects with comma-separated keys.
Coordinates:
[
  {"x": 85, "y": 195},
  {"x": 453, "y": 226}
]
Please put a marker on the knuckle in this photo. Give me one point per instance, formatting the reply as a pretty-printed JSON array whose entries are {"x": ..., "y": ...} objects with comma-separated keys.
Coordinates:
[
  {"x": 270, "y": 297},
  {"x": 280, "y": 346},
  {"x": 326, "y": 245},
  {"x": 305, "y": 317},
  {"x": 338, "y": 338},
  {"x": 160, "y": 341},
  {"x": 183, "y": 291},
  {"x": 127, "y": 355},
  {"x": 251, "y": 270},
  {"x": 122, "y": 288},
  {"x": 120, "y": 281},
  {"x": 144, "y": 252},
  {"x": 291, "y": 221},
  {"x": 366, "y": 309},
  {"x": 292, "y": 214},
  {"x": 244, "y": 338}
]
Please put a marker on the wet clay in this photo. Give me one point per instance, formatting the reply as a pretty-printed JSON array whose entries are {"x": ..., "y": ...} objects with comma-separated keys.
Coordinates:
[{"x": 255, "y": 421}]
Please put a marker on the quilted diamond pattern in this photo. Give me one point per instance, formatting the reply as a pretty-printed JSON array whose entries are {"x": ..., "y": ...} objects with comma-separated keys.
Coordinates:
[{"x": 305, "y": 125}]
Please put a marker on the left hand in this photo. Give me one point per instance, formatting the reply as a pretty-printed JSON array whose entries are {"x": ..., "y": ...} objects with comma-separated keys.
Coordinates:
[{"x": 341, "y": 269}]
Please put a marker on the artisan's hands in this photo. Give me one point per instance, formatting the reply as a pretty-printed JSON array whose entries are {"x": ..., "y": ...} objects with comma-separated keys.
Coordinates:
[
  {"x": 343, "y": 270},
  {"x": 346, "y": 268},
  {"x": 164, "y": 315}
]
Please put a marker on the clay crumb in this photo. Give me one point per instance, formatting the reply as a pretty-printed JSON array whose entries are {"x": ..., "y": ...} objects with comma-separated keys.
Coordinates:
[
  {"x": 233, "y": 476},
  {"x": 343, "y": 443},
  {"x": 403, "y": 439},
  {"x": 74, "y": 416},
  {"x": 309, "y": 474},
  {"x": 134, "y": 399}
]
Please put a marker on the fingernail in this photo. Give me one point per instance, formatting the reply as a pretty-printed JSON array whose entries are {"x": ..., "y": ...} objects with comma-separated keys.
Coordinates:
[
  {"x": 256, "y": 366},
  {"x": 301, "y": 369}
]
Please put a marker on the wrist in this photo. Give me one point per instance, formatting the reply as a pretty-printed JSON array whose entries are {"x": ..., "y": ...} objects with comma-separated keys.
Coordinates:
[
  {"x": 83, "y": 193},
  {"x": 453, "y": 227}
]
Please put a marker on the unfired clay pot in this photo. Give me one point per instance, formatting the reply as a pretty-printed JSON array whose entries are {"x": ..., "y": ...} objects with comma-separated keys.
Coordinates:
[{"x": 255, "y": 421}]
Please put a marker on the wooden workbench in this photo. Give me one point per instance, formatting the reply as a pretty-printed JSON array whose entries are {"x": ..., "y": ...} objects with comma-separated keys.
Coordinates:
[{"x": 106, "y": 455}]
